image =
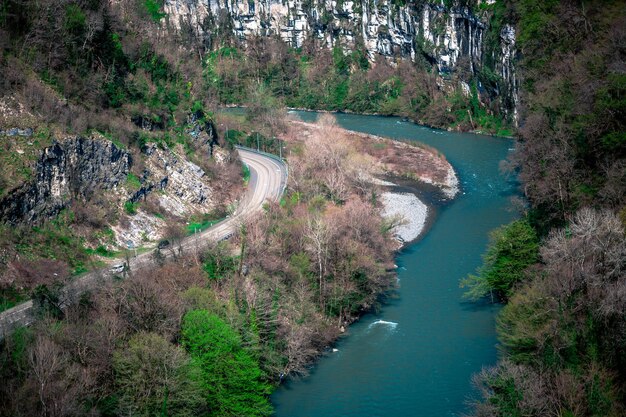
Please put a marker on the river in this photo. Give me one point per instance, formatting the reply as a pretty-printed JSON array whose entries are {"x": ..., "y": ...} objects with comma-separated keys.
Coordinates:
[{"x": 416, "y": 356}]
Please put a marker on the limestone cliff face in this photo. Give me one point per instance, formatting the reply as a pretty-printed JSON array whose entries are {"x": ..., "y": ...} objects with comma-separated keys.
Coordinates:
[
  {"x": 76, "y": 167},
  {"x": 385, "y": 29},
  {"x": 505, "y": 67}
]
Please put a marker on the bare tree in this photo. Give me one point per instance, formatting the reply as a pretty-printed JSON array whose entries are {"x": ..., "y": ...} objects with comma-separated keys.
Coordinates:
[
  {"x": 46, "y": 360},
  {"x": 318, "y": 235}
]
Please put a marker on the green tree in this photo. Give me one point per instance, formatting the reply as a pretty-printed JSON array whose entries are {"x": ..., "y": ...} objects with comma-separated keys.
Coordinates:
[
  {"x": 265, "y": 110},
  {"x": 231, "y": 377},
  {"x": 512, "y": 249},
  {"x": 153, "y": 7},
  {"x": 219, "y": 263}
]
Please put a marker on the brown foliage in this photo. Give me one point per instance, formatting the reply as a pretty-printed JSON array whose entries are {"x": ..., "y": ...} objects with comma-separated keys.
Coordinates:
[
  {"x": 329, "y": 163},
  {"x": 53, "y": 376},
  {"x": 570, "y": 155},
  {"x": 589, "y": 258},
  {"x": 30, "y": 273},
  {"x": 150, "y": 301},
  {"x": 549, "y": 393},
  {"x": 328, "y": 260},
  {"x": 327, "y": 160},
  {"x": 96, "y": 213}
]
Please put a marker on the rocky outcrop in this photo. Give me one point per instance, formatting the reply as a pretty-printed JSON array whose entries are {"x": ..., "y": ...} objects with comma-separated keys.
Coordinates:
[
  {"x": 176, "y": 185},
  {"x": 202, "y": 130},
  {"x": 169, "y": 182},
  {"x": 385, "y": 29},
  {"x": 76, "y": 167},
  {"x": 16, "y": 131},
  {"x": 188, "y": 188}
]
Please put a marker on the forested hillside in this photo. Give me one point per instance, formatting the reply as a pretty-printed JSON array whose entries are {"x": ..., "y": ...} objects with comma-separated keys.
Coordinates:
[
  {"x": 561, "y": 270},
  {"x": 108, "y": 108},
  {"x": 106, "y": 139}
]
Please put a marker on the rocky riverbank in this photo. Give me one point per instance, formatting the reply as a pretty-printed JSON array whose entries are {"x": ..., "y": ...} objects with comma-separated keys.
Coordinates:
[
  {"x": 411, "y": 166},
  {"x": 411, "y": 212}
]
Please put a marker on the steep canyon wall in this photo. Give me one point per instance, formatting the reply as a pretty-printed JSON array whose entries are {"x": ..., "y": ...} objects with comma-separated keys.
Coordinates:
[{"x": 449, "y": 35}]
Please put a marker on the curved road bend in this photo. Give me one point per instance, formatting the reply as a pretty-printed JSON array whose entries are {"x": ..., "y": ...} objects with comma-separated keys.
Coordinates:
[{"x": 268, "y": 177}]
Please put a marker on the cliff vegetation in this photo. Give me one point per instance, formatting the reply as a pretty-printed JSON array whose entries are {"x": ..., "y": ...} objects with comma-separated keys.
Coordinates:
[{"x": 106, "y": 141}]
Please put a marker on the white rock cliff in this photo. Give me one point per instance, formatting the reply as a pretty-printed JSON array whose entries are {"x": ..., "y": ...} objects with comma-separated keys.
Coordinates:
[{"x": 385, "y": 29}]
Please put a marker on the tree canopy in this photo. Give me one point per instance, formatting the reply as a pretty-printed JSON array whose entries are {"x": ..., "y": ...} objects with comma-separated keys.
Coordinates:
[{"x": 231, "y": 377}]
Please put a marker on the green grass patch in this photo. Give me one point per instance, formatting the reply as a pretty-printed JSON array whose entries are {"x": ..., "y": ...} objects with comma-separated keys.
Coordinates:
[
  {"x": 198, "y": 227},
  {"x": 198, "y": 223},
  {"x": 17, "y": 160},
  {"x": 131, "y": 208},
  {"x": 102, "y": 251},
  {"x": 52, "y": 240},
  {"x": 153, "y": 7},
  {"x": 80, "y": 268},
  {"x": 109, "y": 136},
  {"x": 132, "y": 181},
  {"x": 106, "y": 234}
]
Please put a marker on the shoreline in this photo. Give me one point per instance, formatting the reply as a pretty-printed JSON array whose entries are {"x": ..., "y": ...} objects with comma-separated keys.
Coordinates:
[
  {"x": 408, "y": 196},
  {"x": 419, "y": 181},
  {"x": 408, "y": 211},
  {"x": 412, "y": 160},
  {"x": 433, "y": 198},
  {"x": 404, "y": 118}
]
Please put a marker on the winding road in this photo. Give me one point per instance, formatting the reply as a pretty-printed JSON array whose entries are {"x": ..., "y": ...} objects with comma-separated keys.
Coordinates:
[{"x": 268, "y": 179}]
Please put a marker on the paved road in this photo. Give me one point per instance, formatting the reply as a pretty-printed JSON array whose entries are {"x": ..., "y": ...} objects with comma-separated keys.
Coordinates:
[{"x": 268, "y": 178}]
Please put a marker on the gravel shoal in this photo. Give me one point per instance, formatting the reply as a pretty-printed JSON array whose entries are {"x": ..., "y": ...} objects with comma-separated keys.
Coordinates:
[{"x": 408, "y": 207}]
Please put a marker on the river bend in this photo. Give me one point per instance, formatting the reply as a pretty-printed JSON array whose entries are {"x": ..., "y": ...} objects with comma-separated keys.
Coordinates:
[{"x": 417, "y": 356}]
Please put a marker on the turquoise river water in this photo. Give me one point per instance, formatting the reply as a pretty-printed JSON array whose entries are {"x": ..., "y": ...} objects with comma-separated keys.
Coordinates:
[{"x": 417, "y": 356}]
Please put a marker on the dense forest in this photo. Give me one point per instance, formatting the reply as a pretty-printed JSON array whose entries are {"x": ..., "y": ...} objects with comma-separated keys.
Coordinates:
[
  {"x": 92, "y": 70},
  {"x": 213, "y": 333},
  {"x": 561, "y": 269}
]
